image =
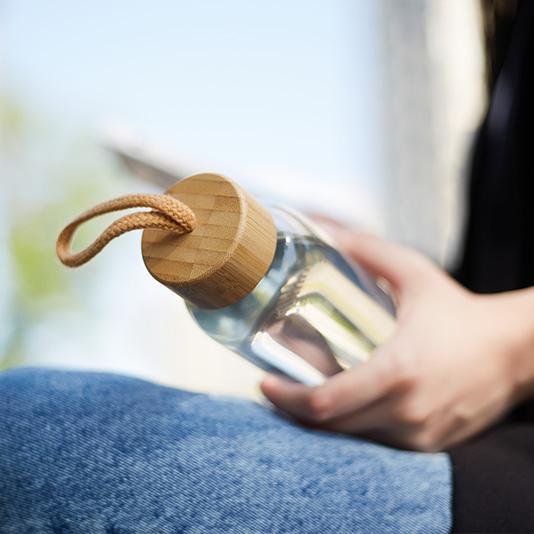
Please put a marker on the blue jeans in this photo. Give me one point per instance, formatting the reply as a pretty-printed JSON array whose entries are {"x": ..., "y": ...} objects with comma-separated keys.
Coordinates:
[{"x": 91, "y": 453}]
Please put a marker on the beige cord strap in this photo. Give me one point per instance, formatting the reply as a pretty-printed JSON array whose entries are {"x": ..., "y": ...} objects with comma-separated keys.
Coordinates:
[{"x": 169, "y": 214}]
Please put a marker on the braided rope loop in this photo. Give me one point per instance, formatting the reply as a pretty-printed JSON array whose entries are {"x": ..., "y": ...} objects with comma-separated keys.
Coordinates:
[{"x": 168, "y": 214}]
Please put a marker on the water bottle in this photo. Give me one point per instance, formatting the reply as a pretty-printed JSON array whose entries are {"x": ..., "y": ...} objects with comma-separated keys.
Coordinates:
[{"x": 269, "y": 284}]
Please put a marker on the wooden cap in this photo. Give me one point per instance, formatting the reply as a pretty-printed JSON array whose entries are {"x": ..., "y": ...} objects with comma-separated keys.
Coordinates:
[{"x": 226, "y": 255}]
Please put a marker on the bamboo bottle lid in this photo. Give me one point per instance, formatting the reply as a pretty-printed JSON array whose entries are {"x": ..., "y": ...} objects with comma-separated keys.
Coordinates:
[{"x": 227, "y": 254}]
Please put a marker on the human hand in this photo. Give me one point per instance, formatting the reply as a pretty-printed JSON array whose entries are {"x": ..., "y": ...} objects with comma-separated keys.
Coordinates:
[{"x": 456, "y": 363}]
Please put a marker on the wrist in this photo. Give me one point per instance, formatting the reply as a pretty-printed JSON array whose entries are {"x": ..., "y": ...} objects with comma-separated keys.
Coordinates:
[{"x": 522, "y": 347}]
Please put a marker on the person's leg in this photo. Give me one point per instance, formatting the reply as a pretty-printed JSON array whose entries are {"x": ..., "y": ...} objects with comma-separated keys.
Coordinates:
[{"x": 94, "y": 452}]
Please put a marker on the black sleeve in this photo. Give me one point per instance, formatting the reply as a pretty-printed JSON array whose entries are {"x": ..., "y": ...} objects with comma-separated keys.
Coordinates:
[{"x": 493, "y": 474}]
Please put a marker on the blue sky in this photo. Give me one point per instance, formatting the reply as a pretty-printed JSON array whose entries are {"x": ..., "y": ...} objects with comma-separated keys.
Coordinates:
[{"x": 285, "y": 94}]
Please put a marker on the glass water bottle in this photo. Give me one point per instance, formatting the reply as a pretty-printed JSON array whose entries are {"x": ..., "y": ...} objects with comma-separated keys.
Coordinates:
[{"x": 269, "y": 284}]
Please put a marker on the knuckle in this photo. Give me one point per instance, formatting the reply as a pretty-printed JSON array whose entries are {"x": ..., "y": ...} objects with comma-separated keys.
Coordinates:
[
  {"x": 403, "y": 371},
  {"x": 319, "y": 405},
  {"x": 462, "y": 414},
  {"x": 413, "y": 413}
]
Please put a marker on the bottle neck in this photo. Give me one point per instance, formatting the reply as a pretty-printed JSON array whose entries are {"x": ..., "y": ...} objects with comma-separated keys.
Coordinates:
[{"x": 290, "y": 220}]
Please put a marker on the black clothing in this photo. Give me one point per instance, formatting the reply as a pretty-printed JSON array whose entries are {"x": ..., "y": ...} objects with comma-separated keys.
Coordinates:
[
  {"x": 498, "y": 250},
  {"x": 493, "y": 474},
  {"x": 493, "y": 478}
]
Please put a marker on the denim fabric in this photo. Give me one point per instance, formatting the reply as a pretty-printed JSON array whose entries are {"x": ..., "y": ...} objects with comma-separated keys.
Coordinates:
[{"x": 94, "y": 453}]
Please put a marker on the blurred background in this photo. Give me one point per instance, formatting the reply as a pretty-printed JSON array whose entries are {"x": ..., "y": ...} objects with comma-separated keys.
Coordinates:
[{"x": 365, "y": 109}]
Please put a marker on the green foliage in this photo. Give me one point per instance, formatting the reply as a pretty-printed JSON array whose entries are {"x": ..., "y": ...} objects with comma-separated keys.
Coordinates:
[
  {"x": 78, "y": 176},
  {"x": 12, "y": 118},
  {"x": 33, "y": 258}
]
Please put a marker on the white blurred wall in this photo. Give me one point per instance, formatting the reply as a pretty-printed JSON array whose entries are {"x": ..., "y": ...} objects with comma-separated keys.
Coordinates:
[{"x": 433, "y": 102}]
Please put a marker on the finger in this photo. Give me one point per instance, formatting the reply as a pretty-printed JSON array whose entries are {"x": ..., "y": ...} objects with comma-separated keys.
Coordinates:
[
  {"x": 289, "y": 396},
  {"x": 355, "y": 388},
  {"x": 403, "y": 268},
  {"x": 340, "y": 395},
  {"x": 375, "y": 417}
]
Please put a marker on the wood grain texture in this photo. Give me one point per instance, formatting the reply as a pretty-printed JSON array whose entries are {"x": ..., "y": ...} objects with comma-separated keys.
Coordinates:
[{"x": 228, "y": 253}]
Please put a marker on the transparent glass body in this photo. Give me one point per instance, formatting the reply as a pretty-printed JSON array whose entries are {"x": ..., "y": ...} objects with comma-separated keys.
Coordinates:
[{"x": 313, "y": 314}]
